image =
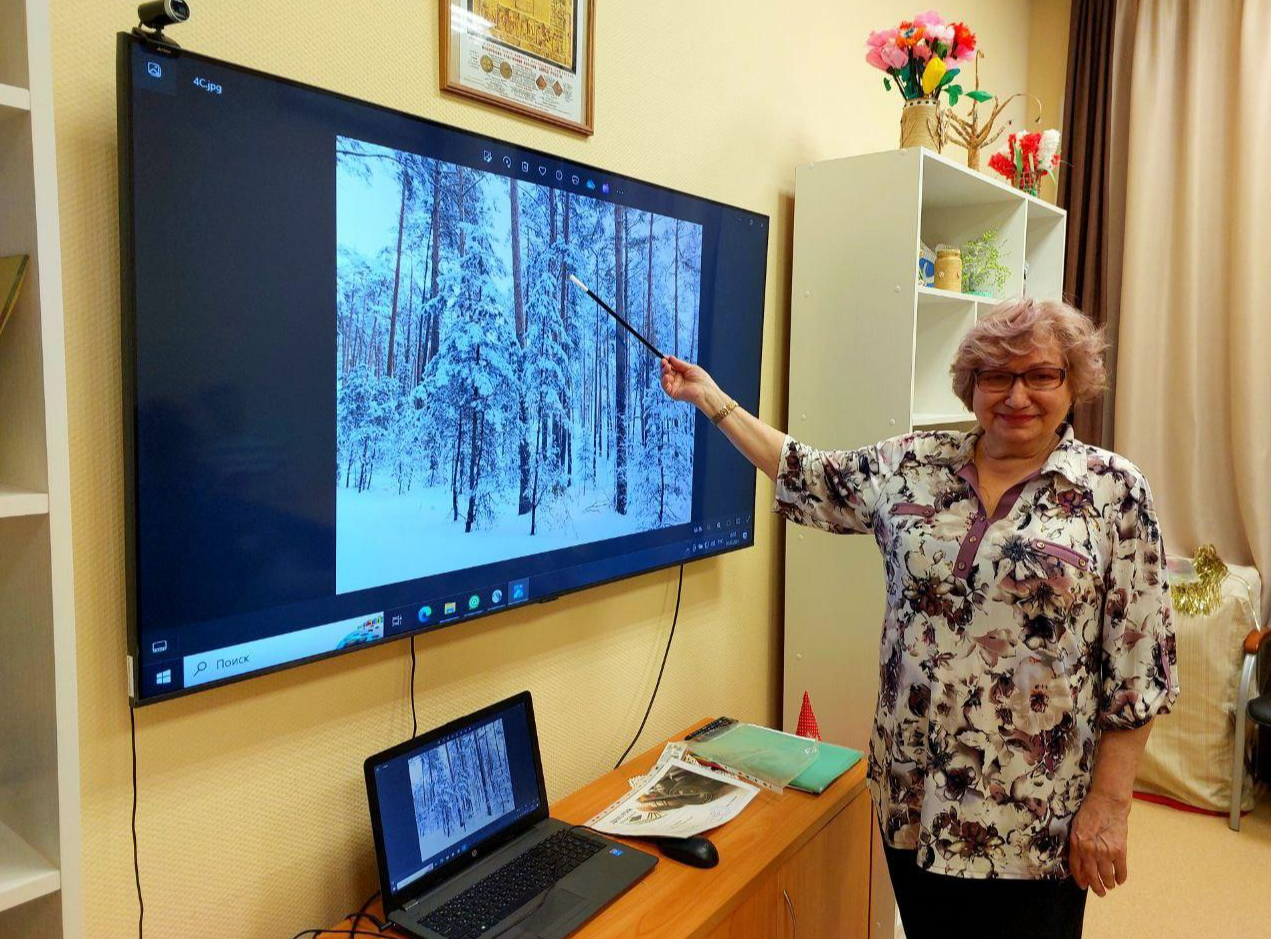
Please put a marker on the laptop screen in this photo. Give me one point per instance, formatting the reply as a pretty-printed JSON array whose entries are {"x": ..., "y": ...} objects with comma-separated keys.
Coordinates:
[{"x": 453, "y": 793}]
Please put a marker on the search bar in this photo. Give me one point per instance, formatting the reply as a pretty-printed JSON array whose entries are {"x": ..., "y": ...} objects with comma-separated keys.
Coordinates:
[{"x": 253, "y": 656}]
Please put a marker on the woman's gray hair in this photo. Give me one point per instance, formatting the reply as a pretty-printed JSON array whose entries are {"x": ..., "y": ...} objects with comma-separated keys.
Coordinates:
[{"x": 1018, "y": 327}]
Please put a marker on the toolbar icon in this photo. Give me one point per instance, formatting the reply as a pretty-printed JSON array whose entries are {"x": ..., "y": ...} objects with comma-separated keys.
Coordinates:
[
  {"x": 507, "y": 162},
  {"x": 574, "y": 179},
  {"x": 487, "y": 155}
]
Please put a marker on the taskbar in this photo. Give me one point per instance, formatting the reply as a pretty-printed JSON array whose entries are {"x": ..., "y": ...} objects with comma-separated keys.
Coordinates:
[{"x": 165, "y": 673}]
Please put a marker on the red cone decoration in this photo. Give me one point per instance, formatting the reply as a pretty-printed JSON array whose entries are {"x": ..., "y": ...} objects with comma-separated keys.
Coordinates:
[{"x": 807, "y": 720}]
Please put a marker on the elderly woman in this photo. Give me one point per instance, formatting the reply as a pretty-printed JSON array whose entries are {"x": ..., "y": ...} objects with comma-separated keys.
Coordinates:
[{"x": 1027, "y": 642}]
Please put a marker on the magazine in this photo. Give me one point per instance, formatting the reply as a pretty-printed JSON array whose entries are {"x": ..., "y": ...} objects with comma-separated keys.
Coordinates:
[{"x": 676, "y": 801}]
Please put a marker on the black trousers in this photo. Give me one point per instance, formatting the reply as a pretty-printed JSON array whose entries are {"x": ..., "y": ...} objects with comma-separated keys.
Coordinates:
[{"x": 937, "y": 906}]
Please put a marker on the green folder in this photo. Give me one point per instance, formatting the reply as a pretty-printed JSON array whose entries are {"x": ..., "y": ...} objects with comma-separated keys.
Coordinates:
[{"x": 832, "y": 761}]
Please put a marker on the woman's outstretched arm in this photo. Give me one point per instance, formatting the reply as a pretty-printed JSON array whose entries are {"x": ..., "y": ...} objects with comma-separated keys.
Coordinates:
[{"x": 758, "y": 443}]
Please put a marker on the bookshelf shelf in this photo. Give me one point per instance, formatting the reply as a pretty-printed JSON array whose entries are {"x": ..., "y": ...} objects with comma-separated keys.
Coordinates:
[
  {"x": 15, "y": 501},
  {"x": 40, "y": 851},
  {"x": 25, "y": 874},
  {"x": 858, "y": 223},
  {"x": 14, "y": 100}
]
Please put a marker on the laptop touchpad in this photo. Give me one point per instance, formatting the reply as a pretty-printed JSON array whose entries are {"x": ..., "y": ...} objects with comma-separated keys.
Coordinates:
[{"x": 558, "y": 908}]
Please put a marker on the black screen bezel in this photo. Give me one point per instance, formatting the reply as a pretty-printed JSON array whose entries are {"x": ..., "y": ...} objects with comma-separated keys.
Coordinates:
[
  {"x": 395, "y": 900},
  {"x": 127, "y": 280}
]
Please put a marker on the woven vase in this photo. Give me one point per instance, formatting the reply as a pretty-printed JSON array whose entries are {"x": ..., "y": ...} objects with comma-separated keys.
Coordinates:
[{"x": 920, "y": 123}]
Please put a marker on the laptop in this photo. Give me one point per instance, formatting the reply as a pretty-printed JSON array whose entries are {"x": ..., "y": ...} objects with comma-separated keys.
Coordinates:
[{"x": 464, "y": 842}]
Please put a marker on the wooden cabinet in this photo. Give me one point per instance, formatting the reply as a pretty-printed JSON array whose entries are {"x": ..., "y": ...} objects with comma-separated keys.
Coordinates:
[
  {"x": 758, "y": 917},
  {"x": 825, "y": 887},
  {"x": 793, "y": 866},
  {"x": 821, "y": 892}
]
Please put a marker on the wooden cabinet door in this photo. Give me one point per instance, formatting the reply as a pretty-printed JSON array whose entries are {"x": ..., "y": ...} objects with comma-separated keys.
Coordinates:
[
  {"x": 757, "y": 918},
  {"x": 823, "y": 891}
]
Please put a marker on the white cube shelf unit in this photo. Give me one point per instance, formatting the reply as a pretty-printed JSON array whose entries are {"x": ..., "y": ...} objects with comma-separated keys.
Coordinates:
[
  {"x": 870, "y": 351},
  {"x": 39, "y": 734}
]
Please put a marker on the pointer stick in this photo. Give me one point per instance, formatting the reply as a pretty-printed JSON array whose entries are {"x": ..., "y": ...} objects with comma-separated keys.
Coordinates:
[{"x": 608, "y": 309}]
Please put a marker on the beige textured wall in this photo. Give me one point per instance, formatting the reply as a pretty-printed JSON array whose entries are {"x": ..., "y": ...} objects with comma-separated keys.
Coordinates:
[
  {"x": 252, "y": 817},
  {"x": 1048, "y": 69}
]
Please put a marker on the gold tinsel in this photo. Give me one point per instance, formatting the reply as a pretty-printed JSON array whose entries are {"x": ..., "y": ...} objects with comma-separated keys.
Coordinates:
[{"x": 1201, "y": 596}]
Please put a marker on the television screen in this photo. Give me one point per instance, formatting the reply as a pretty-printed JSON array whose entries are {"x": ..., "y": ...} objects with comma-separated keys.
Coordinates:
[{"x": 363, "y": 398}]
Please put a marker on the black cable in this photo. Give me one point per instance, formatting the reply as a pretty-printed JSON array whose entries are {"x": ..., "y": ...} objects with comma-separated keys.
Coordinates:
[
  {"x": 414, "y": 719},
  {"x": 136, "y": 866},
  {"x": 678, "y": 593},
  {"x": 361, "y": 914}
]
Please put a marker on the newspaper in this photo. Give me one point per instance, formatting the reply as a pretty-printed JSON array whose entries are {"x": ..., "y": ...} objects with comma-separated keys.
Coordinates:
[
  {"x": 679, "y": 750},
  {"x": 675, "y": 750},
  {"x": 677, "y": 800}
]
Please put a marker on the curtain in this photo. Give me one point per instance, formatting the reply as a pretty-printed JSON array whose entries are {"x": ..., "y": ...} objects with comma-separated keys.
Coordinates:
[
  {"x": 1096, "y": 104},
  {"x": 1193, "y": 398}
]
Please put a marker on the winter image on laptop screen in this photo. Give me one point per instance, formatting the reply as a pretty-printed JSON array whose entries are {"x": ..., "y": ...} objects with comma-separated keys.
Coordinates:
[
  {"x": 487, "y": 409},
  {"x": 460, "y": 786}
]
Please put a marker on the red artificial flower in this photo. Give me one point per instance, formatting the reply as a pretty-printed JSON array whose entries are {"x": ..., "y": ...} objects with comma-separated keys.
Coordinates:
[
  {"x": 1030, "y": 143},
  {"x": 963, "y": 39},
  {"x": 1001, "y": 163}
]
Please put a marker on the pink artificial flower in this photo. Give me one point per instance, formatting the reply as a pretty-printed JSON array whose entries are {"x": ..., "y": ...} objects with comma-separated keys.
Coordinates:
[
  {"x": 962, "y": 53},
  {"x": 895, "y": 57},
  {"x": 922, "y": 51},
  {"x": 875, "y": 58},
  {"x": 940, "y": 32},
  {"x": 879, "y": 37},
  {"x": 930, "y": 18}
]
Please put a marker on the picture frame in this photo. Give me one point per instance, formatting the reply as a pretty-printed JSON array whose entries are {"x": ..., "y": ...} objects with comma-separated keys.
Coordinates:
[{"x": 531, "y": 57}]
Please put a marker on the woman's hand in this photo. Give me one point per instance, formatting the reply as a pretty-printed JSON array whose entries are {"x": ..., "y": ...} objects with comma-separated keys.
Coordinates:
[
  {"x": 1097, "y": 843},
  {"x": 683, "y": 381}
]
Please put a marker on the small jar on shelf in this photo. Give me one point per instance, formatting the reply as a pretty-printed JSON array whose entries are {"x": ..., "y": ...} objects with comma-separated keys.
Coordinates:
[{"x": 948, "y": 268}]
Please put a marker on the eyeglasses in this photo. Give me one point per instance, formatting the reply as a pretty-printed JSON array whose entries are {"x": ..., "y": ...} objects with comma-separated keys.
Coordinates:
[{"x": 1042, "y": 378}]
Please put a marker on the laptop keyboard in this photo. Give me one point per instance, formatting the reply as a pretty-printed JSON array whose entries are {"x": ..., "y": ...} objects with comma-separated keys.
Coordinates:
[{"x": 503, "y": 891}]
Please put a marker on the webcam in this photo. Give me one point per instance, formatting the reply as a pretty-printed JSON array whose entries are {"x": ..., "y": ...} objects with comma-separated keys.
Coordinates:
[{"x": 154, "y": 15}]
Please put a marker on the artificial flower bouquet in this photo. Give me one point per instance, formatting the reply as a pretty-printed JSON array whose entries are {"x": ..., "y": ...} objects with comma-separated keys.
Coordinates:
[
  {"x": 1027, "y": 158},
  {"x": 922, "y": 56}
]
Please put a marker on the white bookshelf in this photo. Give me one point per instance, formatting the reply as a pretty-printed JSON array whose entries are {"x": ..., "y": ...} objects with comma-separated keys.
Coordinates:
[
  {"x": 870, "y": 351},
  {"x": 40, "y": 882}
]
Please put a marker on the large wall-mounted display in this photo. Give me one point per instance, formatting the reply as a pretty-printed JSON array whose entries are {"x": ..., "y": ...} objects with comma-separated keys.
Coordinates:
[{"x": 363, "y": 398}]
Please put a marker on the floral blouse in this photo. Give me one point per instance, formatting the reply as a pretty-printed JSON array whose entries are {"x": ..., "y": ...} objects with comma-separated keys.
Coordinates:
[{"x": 1008, "y": 643}]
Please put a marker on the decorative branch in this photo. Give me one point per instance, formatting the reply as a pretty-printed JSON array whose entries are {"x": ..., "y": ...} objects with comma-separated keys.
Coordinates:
[{"x": 968, "y": 133}]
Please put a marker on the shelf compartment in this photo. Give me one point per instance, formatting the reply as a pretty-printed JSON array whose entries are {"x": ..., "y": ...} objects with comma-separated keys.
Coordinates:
[
  {"x": 1041, "y": 210},
  {"x": 24, "y": 873},
  {"x": 948, "y": 185},
  {"x": 941, "y": 325},
  {"x": 15, "y": 501}
]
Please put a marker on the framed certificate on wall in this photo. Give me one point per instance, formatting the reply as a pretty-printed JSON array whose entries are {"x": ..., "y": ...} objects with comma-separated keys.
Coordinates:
[{"x": 529, "y": 56}]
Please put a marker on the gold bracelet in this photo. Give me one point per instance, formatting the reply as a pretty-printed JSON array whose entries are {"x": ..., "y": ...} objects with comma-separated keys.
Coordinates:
[{"x": 723, "y": 412}]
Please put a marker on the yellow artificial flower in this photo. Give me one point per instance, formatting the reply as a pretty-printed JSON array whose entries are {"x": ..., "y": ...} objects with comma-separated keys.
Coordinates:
[{"x": 932, "y": 74}]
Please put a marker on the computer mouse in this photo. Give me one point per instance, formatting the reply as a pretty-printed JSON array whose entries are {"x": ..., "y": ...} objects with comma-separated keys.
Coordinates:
[{"x": 695, "y": 851}]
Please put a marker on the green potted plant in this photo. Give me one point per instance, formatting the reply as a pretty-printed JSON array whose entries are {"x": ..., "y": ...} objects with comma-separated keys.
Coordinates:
[{"x": 983, "y": 272}]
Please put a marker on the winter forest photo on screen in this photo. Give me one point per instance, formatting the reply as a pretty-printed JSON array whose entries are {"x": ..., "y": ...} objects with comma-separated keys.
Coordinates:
[
  {"x": 487, "y": 409},
  {"x": 460, "y": 787}
]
